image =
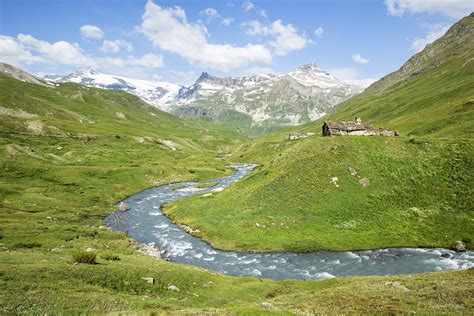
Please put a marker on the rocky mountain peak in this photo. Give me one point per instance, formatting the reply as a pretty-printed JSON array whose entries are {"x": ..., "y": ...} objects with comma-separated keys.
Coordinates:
[
  {"x": 87, "y": 71},
  {"x": 309, "y": 67},
  {"x": 205, "y": 76}
]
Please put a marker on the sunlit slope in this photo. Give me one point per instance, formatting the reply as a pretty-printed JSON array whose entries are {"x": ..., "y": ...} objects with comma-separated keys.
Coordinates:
[
  {"x": 419, "y": 186},
  {"x": 432, "y": 93},
  {"x": 72, "y": 152}
]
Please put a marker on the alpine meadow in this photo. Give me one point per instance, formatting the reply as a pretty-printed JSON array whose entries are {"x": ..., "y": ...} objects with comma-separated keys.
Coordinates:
[{"x": 180, "y": 157}]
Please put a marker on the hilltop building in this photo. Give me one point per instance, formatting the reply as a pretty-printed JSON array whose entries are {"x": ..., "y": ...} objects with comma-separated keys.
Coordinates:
[
  {"x": 355, "y": 127},
  {"x": 298, "y": 135}
]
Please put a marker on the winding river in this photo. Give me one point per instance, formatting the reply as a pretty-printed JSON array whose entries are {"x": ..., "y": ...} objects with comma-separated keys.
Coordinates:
[{"x": 145, "y": 222}]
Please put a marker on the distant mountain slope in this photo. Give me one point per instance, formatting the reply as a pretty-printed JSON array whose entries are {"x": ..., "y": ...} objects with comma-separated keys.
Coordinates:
[
  {"x": 159, "y": 94},
  {"x": 73, "y": 110},
  {"x": 21, "y": 75},
  {"x": 431, "y": 94},
  {"x": 265, "y": 102},
  {"x": 255, "y": 103}
]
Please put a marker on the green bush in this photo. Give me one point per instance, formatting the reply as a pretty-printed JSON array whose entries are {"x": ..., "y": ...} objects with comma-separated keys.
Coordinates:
[
  {"x": 27, "y": 245},
  {"x": 85, "y": 257},
  {"x": 110, "y": 257}
]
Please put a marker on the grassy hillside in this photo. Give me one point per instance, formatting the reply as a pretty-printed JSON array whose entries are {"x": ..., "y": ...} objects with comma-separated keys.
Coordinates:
[
  {"x": 69, "y": 153},
  {"x": 419, "y": 193},
  {"x": 431, "y": 95},
  {"x": 414, "y": 190}
]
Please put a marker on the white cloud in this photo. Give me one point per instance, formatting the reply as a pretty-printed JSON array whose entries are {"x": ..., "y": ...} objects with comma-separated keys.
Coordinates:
[
  {"x": 60, "y": 52},
  {"x": 359, "y": 59},
  {"x": 115, "y": 46},
  {"x": 227, "y": 21},
  {"x": 285, "y": 37},
  {"x": 452, "y": 8},
  {"x": 350, "y": 75},
  {"x": 14, "y": 53},
  {"x": 147, "y": 61},
  {"x": 319, "y": 31},
  {"x": 262, "y": 13},
  {"x": 419, "y": 43},
  {"x": 210, "y": 14},
  {"x": 247, "y": 6},
  {"x": 255, "y": 28},
  {"x": 26, "y": 50},
  {"x": 183, "y": 77},
  {"x": 92, "y": 32},
  {"x": 168, "y": 29}
]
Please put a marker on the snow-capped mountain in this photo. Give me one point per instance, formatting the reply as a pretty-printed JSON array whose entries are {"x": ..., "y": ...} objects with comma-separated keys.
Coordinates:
[
  {"x": 159, "y": 94},
  {"x": 257, "y": 101},
  {"x": 266, "y": 101},
  {"x": 207, "y": 85}
]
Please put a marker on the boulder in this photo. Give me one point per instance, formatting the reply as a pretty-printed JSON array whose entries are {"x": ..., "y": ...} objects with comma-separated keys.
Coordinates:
[
  {"x": 458, "y": 246},
  {"x": 352, "y": 171},
  {"x": 174, "y": 288},
  {"x": 122, "y": 207},
  {"x": 149, "y": 280},
  {"x": 446, "y": 255},
  {"x": 208, "y": 284},
  {"x": 364, "y": 182}
]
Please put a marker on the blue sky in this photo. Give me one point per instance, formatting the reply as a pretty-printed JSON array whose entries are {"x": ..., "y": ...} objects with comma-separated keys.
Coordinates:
[{"x": 357, "y": 41}]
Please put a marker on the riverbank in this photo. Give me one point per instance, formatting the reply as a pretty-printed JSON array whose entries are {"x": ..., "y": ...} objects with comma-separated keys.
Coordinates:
[
  {"x": 145, "y": 222},
  {"x": 341, "y": 193}
]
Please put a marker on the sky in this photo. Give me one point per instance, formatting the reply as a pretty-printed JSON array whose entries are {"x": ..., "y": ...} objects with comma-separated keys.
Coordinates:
[{"x": 172, "y": 40}]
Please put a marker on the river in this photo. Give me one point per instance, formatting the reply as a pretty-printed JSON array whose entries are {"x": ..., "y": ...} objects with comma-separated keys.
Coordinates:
[{"x": 145, "y": 222}]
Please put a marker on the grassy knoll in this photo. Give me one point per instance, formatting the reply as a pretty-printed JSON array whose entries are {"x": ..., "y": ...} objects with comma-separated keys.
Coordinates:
[
  {"x": 418, "y": 193},
  {"x": 414, "y": 190}
]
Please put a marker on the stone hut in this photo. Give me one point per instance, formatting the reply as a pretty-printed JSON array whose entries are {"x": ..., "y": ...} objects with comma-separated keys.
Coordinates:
[
  {"x": 355, "y": 127},
  {"x": 298, "y": 135}
]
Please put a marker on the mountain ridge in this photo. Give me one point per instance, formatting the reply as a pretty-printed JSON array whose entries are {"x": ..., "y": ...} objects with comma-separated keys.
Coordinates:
[{"x": 254, "y": 103}]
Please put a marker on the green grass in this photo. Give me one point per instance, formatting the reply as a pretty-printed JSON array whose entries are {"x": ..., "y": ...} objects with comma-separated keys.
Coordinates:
[
  {"x": 420, "y": 185},
  {"x": 44, "y": 281},
  {"x": 419, "y": 195},
  {"x": 68, "y": 154}
]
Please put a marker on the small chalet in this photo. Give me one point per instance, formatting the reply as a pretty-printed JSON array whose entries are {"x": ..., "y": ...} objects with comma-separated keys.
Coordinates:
[
  {"x": 355, "y": 127},
  {"x": 298, "y": 135}
]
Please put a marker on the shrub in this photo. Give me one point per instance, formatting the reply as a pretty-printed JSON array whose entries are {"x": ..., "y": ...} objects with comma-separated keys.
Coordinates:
[
  {"x": 27, "y": 245},
  {"x": 110, "y": 257},
  {"x": 85, "y": 257}
]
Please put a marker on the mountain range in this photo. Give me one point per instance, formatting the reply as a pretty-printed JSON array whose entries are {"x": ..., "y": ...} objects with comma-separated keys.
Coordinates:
[{"x": 254, "y": 103}]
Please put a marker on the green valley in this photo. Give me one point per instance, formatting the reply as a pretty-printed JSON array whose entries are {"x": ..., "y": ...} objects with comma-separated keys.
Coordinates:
[{"x": 70, "y": 153}]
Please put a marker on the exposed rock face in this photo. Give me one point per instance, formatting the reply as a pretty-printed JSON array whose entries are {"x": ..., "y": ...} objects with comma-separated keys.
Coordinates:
[
  {"x": 21, "y": 75},
  {"x": 266, "y": 100},
  {"x": 458, "y": 246},
  {"x": 262, "y": 101}
]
